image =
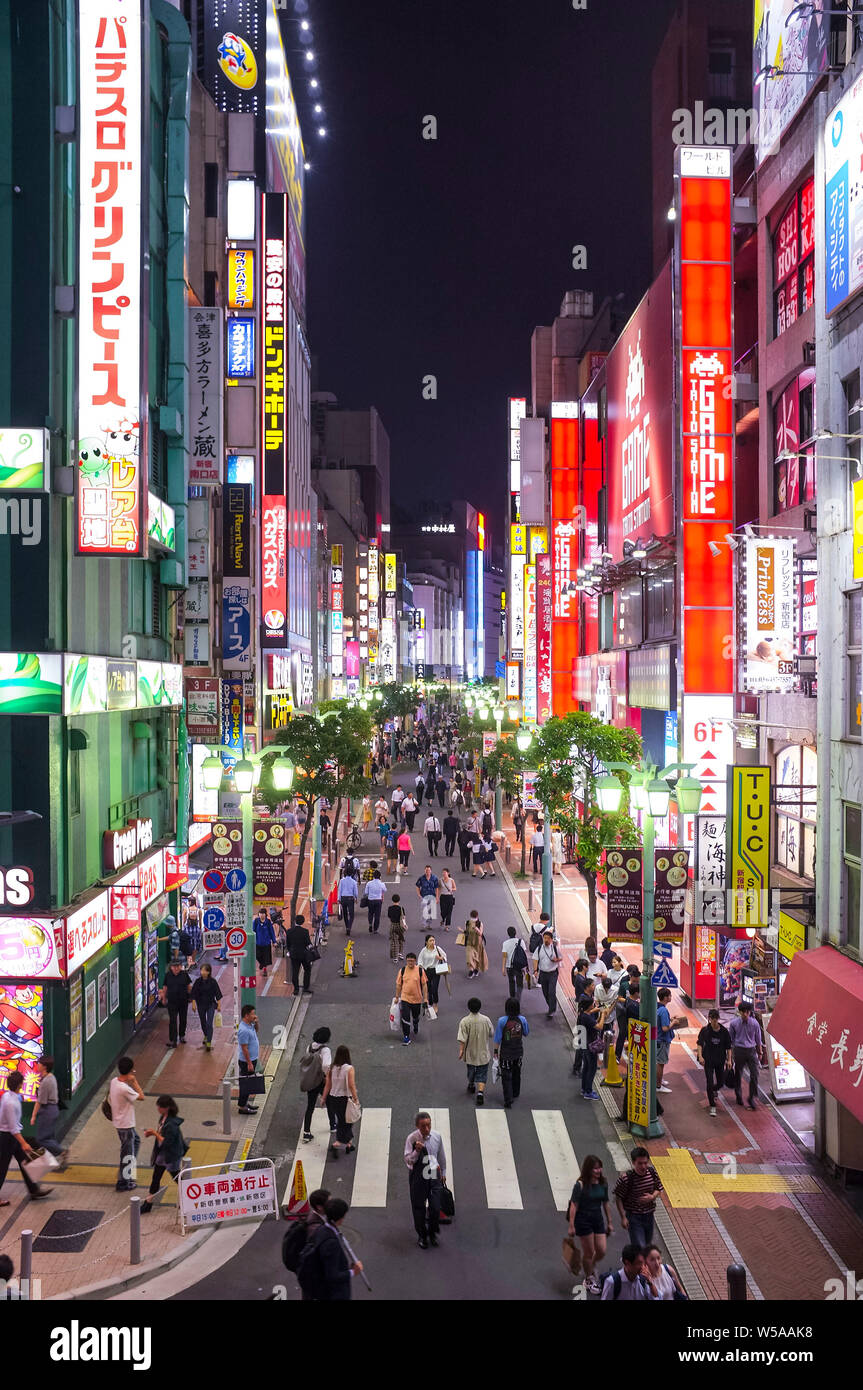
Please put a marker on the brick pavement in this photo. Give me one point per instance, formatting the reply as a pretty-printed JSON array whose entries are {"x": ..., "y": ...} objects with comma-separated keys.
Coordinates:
[{"x": 791, "y": 1235}]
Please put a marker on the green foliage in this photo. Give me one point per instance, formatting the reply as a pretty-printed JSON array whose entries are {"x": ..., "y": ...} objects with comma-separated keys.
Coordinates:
[
  {"x": 399, "y": 701},
  {"x": 328, "y": 750},
  {"x": 573, "y": 751},
  {"x": 505, "y": 764}
]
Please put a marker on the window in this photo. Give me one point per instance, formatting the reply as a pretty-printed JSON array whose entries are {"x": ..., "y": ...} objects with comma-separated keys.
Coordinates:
[
  {"x": 854, "y": 649},
  {"x": 795, "y": 779},
  {"x": 660, "y": 604},
  {"x": 851, "y": 874},
  {"x": 794, "y": 259},
  {"x": 74, "y": 781},
  {"x": 794, "y": 469},
  {"x": 853, "y": 417},
  {"x": 211, "y": 190},
  {"x": 721, "y": 71},
  {"x": 628, "y": 615}
]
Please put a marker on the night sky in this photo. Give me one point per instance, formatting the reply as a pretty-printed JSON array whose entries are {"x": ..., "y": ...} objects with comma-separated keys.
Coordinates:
[{"x": 441, "y": 256}]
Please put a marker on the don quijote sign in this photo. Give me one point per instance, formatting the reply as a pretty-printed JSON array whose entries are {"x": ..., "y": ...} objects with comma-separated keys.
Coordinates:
[{"x": 120, "y": 847}]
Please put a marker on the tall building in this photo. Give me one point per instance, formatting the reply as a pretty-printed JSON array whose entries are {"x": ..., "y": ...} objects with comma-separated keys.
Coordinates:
[{"x": 445, "y": 548}]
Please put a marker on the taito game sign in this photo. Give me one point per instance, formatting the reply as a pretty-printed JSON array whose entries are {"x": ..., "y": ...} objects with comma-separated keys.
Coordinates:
[{"x": 108, "y": 456}]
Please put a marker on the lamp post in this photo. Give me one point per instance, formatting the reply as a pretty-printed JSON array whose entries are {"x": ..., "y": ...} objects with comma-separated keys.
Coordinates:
[{"x": 498, "y": 713}]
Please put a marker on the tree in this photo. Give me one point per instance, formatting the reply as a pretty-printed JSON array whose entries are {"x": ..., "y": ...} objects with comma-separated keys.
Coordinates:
[
  {"x": 571, "y": 752},
  {"x": 505, "y": 764},
  {"x": 328, "y": 749}
]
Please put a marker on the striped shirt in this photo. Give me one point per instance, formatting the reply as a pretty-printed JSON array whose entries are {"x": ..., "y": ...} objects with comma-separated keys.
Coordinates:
[{"x": 630, "y": 1186}]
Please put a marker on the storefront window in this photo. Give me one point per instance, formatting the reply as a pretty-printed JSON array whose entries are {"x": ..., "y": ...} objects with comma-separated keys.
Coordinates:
[
  {"x": 794, "y": 259},
  {"x": 794, "y": 469},
  {"x": 796, "y": 780},
  {"x": 660, "y": 605},
  {"x": 851, "y": 857}
]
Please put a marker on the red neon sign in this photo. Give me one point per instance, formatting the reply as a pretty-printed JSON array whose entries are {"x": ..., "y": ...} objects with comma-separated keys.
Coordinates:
[{"x": 566, "y": 520}]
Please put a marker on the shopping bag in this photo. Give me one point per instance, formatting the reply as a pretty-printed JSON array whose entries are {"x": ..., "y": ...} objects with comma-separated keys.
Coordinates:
[
  {"x": 495, "y": 1070},
  {"x": 217, "y": 1019},
  {"x": 431, "y": 1011},
  {"x": 39, "y": 1164},
  {"x": 395, "y": 1017},
  {"x": 460, "y": 938},
  {"x": 353, "y": 1111},
  {"x": 571, "y": 1255}
]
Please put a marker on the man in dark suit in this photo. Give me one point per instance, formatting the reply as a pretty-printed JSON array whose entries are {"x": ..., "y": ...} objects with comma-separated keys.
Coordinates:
[{"x": 299, "y": 943}]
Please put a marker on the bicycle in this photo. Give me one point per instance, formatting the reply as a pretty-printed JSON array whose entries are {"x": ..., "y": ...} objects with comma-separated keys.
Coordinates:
[{"x": 354, "y": 839}]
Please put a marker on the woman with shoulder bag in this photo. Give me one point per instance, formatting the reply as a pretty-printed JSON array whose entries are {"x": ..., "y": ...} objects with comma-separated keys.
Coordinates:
[
  {"x": 475, "y": 952},
  {"x": 448, "y": 890},
  {"x": 588, "y": 1018},
  {"x": 168, "y": 1148},
  {"x": 430, "y": 959},
  {"x": 340, "y": 1087},
  {"x": 589, "y": 1217},
  {"x": 205, "y": 995},
  {"x": 663, "y": 1277}
]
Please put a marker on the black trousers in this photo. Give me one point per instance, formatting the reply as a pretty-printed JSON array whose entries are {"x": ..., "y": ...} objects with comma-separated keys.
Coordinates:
[
  {"x": 246, "y": 1069},
  {"x": 433, "y": 984},
  {"x": 433, "y": 839},
  {"x": 537, "y": 852},
  {"x": 714, "y": 1073},
  {"x": 425, "y": 1197},
  {"x": 312, "y": 1098},
  {"x": 375, "y": 914},
  {"x": 177, "y": 1014},
  {"x": 441, "y": 796},
  {"x": 298, "y": 963},
  {"x": 348, "y": 909},
  {"x": 9, "y": 1149},
  {"x": 408, "y": 1012},
  {"x": 746, "y": 1059},
  {"x": 510, "y": 1078},
  {"x": 465, "y": 856},
  {"x": 410, "y": 817},
  {"x": 449, "y": 844},
  {"x": 516, "y": 982},
  {"x": 447, "y": 903}
]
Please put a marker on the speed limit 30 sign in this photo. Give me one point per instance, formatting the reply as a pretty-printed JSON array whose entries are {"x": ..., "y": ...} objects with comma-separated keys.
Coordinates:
[{"x": 235, "y": 941}]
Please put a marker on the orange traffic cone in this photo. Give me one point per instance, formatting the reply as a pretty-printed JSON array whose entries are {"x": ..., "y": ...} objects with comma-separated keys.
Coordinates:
[
  {"x": 612, "y": 1072},
  {"x": 298, "y": 1205}
]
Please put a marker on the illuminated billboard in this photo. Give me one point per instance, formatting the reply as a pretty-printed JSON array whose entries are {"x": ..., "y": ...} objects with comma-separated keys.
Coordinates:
[
  {"x": 843, "y": 201},
  {"x": 566, "y": 520},
  {"x": 109, "y": 495},
  {"x": 235, "y": 53},
  {"x": 793, "y": 38},
  {"x": 284, "y": 137},
  {"x": 274, "y": 520}
]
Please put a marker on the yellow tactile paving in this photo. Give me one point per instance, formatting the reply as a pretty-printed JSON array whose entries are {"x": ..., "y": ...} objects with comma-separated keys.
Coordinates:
[
  {"x": 202, "y": 1152},
  {"x": 686, "y": 1187}
]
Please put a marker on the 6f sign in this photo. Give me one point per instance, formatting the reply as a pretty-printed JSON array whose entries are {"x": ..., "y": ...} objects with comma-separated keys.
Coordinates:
[{"x": 748, "y": 854}]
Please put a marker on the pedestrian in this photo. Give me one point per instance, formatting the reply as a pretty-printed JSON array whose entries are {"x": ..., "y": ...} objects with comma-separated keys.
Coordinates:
[
  {"x": 175, "y": 994},
  {"x": 249, "y": 1052},
  {"x": 340, "y": 1087},
  {"x": 595, "y": 967},
  {"x": 375, "y": 892},
  {"x": 46, "y": 1110},
  {"x": 631, "y": 1009},
  {"x": 664, "y": 1035},
  {"x": 547, "y": 961},
  {"x": 589, "y": 1034},
  {"x": 315, "y": 1064},
  {"x": 431, "y": 782},
  {"x": 518, "y": 819},
  {"x": 325, "y": 823},
  {"x": 440, "y": 787},
  {"x": 605, "y": 995},
  {"x": 748, "y": 1048},
  {"x": 432, "y": 832},
  {"x": 367, "y": 812},
  {"x": 425, "y": 1157},
  {"x": 428, "y": 892},
  {"x": 411, "y": 994},
  {"x": 537, "y": 847},
  {"x": 298, "y": 944},
  {"x": 396, "y": 800},
  {"x": 349, "y": 892},
  {"x": 433, "y": 961},
  {"x": 169, "y": 1147},
  {"x": 409, "y": 812},
  {"x": 617, "y": 972},
  {"x": 509, "y": 1035},
  {"x": 475, "y": 1033},
  {"x": 382, "y": 810},
  {"x": 489, "y": 853},
  {"x": 556, "y": 850},
  {"x": 123, "y": 1093},
  {"x": 478, "y": 853},
  {"x": 398, "y": 927},
  {"x": 714, "y": 1051},
  {"x": 419, "y": 782},
  {"x": 663, "y": 1277},
  {"x": 205, "y": 996},
  {"x": 265, "y": 940},
  {"x": 635, "y": 1193},
  {"x": 514, "y": 962},
  {"x": 465, "y": 841},
  {"x": 578, "y": 975},
  {"x": 451, "y": 826},
  {"x": 12, "y": 1141},
  {"x": 446, "y": 899},
  {"x": 327, "y": 1264},
  {"x": 390, "y": 848},
  {"x": 474, "y": 943},
  {"x": 607, "y": 955},
  {"x": 589, "y": 1218},
  {"x": 630, "y": 1283},
  {"x": 404, "y": 848}
]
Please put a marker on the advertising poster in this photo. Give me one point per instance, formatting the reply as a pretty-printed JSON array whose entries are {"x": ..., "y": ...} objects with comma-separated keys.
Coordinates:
[
  {"x": 671, "y": 870},
  {"x": 767, "y": 619},
  {"x": 543, "y": 638},
  {"x": 202, "y": 707},
  {"x": 733, "y": 960},
  {"x": 232, "y": 721},
  {"x": 76, "y": 1047},
  {"x": 268, "y": 862},
  {"x": 90, "y": 1009},
  {"x": 31, "y": 948},
  {"x": 529, "y": 798},
  {"x": 749, "y": 846},
  {"x": 114, "y": 985},
  {"x": 206, "y": 384},
  {"x": 792, "y": 38},
  {"x": 237, "y": 625},
  {"x": 103, "y": 997},
  {"x": 638, "y": 1080},
  {"x": 21, "y": 1034},
  {"x": 623, "y": 875},
  {"x": 139, "y": 984},
  {"x": 489, "y": 743},
  {"x": 228, "y": 845}
]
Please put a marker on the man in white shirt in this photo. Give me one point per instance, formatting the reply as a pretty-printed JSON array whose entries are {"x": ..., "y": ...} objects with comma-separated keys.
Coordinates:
[
  {"x": 409, "y": 811},
  {"x": 631, "y": 1283},
  {"x": 123, "y": 1092},
  {"x": 12, "y": 1142},
  {"x": 425, "y": 1157},
  {"x": 537, "y": 848},
  {"x": 398, "y": 797},
  {"x": 606, "y": 996},
  {"x": 547, "y": 958},
  {"x": 432, "y": 830},
  {"x": 375, "y": 890},
  {"x": 514, "y": 975}
]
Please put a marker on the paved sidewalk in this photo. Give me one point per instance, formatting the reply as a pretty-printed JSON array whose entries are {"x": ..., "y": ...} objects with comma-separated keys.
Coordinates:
[{"x": 740, "y": 1187}]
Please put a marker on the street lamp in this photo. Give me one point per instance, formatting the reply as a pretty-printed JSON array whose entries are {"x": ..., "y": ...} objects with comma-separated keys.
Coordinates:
[
  {"x": 523, "y": 740},
  {"x": 498, "y": 713},
  {"x": 212, "y": 772},
  {"x": 282, "y": 773}
]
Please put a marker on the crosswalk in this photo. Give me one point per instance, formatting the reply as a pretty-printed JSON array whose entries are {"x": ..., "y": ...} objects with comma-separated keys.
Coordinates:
[{"x": 366, "y": 1179}]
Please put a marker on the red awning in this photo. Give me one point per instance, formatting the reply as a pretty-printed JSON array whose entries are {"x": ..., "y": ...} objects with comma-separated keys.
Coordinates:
[{"x": 819, "y": 1019}]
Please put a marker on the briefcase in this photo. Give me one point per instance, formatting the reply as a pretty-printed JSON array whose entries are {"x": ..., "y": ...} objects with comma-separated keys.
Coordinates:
[{"x": 251, "y": 1086}]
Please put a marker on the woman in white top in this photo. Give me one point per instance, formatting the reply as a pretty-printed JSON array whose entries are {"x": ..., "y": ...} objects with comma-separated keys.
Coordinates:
[
  {"x": 429, "y": 959},
  {"x": 320, "y": 1038},
  {"x": 556, "y": 851},
  {"x": 663, "y": 1277},
  {"x": 340, "y": 1086},
  {"x": 448, "y": 891}
]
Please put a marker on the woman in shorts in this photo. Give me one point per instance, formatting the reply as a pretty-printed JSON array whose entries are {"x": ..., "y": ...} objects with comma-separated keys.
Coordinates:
[{"x": 589, "y": 1217}]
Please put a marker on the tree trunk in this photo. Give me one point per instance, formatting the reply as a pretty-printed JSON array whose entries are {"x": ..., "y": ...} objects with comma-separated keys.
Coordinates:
[
  {"x": 524, "y": 849},
  {"x": 299, "y": 874},
  {"x": 589, "y": 876},
  {"x": 334, "y": 832}
]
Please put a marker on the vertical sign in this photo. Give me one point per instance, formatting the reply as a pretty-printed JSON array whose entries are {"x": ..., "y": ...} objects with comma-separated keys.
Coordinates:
[
  {"x": 274, "y": 521},
  {"x": 517, "y": 412},
  {"x": 623, "y": 876},
  {"x": 543, "y": 638},
  {"x": 232, "y": 720},
  {"x": 565, "y": 521},
  {"x": 241, "y": 279},
  {"x": 767, "y": 616},
  {"x": 530, "y": 702},
  {"x": 337, "y": 638},
  {"x": 111, "y": 439},
  {"x": 748, "y": 856},
  {"x": 206, "y": 384},
  {"x": 236, "y": 524},
  {"x": 857, "y": 528},
  {"x": 389, "y": 573}
]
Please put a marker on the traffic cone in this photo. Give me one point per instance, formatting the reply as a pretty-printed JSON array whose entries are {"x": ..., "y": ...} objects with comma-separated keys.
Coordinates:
[
  {"x": 612, "y": 1072},
  {"x": 298, "y": 1204}
]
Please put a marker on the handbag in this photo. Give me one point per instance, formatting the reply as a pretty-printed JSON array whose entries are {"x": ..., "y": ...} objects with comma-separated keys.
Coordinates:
[
  {"x": 353, "y": 1111},
  {"x": 311, "y": 955},
  {"x": 252, "y": 1085},
  {"x": 447, "y": 1202},
  {"x": 39, "y": 1164},
  {"x": 106, "y": 1107},
  {"x": 217, "y": 1019},
  {"x": 442, "y": 968},
  {"x": 571, "y": 1255},
  {"x": 730, "y": 1078},
  {"x": 460, "y": 938},
  {"x": 364, "y": 900},
  {"x": 430, "y": 1011},
  {"x": 598, "y": 1045}
]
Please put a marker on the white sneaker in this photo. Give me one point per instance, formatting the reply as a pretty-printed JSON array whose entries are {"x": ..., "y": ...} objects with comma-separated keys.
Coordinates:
[
  {"x": 663, "y": 1087},
  {"x": 713, "y": 1109}
]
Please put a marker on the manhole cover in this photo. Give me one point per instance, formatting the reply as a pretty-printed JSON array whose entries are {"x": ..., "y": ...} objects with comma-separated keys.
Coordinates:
[
  {"x": 66, "y": 1232},
  {"x": 716, "y": 1158},
  {"x": 207, "y": 1123}
]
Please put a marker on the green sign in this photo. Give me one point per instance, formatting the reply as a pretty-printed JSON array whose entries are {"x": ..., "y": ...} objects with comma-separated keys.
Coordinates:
[
  {"x": 23, "y": 460},
  {"x": 30, "y": 684}
]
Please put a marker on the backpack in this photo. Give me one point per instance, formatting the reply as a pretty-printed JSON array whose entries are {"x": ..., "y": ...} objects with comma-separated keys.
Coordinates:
[
  {"x": 535, "y": 940},
  {"x": 309, "y": 1271},
  {"x": 511, "y": 1039},
  {"x": 519, "y": 958},
  {"x": 311, "y": 1069},
  {"x": 486, "y": 824},
  {"x": 293, "y": 1243},
  {"x": 187, "y": 947},
  {"x": 352, "y": 868},
  {"x": 615, "y": 1275}
]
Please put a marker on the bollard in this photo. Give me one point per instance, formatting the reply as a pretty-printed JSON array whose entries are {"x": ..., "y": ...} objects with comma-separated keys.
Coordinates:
[
  {"x": 134, "y": 1230},
  {"x": 530, "y": 898},
  {"x": 25, "y": 1270},
  {"x": 226, "y": 1107},
  {"x": 736, "y": 1276},
  {"x": 508, "y": 853}
]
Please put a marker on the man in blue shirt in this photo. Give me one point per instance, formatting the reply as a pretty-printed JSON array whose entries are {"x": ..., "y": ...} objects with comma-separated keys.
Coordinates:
[
  {"x": 349, "y": 892},
  {"x": 428, "y": 892},
  {"x": 375, "y": 890},
  {"x": 509, "y": 1049},
  {"x": 748, "y": 1044},
  {"x": 664, "y": 1037},
  {"x": 249, "y": 1051},
  {"x": 265, "y": 940}
]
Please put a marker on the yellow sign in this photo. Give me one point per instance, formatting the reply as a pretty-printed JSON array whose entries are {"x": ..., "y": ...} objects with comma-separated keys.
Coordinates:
[
  {"x": 638, "y": 1081},
  {"x": 857, "y": 526},
  {"x": 518, "y": 540},
  {"x": 538, "y": 542},
  {"x": 389, "y": 573},
  {"x": 792, "y": 936},
  {"x": 749, "y": 846},
  {"x": 241, "y": 279}
]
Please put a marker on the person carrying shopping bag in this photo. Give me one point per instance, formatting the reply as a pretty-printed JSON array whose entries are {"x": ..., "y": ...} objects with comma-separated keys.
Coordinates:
[
  {"x": 411, "y": 994},
  {"x": 475, "y": 952},
  {"x": 433, "y": 961},
  {"x": 340, "y": 1088},
  {"x": 169, "y": 1147}
]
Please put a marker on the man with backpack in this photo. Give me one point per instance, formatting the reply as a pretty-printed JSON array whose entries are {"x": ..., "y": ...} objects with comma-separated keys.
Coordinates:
[
  {"x": 300, "y": 1231},
  {"x": 635, "y": 1194},
  {"x": 326, "y": 1263},
  {"x": 349, "y": 893},
  {"x": 314, "y": 1065},
  {"x": 514, "y": 962},
  {"x": 509, "y": 1038},
  {"x": 630, "y": 1283}
]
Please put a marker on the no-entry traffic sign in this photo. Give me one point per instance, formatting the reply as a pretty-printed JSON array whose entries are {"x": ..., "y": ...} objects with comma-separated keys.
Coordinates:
[{"x": 235, "y": 941}]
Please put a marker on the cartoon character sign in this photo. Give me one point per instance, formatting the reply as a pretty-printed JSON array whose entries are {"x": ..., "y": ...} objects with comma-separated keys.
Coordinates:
[
  {"x": 21, "y": 1035},
  {"x": 237, "y": 62},
  {"x": 109, "y": 491}
]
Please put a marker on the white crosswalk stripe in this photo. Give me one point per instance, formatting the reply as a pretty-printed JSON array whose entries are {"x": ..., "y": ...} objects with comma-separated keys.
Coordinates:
[
  {"x": 498, "y": 1161},
  {"x": 313, "y": 1156},
  {"x": 372, "y": 1164},
  {"x": 440, "y": 1122},
  {"x": 561, "y": 1164}
]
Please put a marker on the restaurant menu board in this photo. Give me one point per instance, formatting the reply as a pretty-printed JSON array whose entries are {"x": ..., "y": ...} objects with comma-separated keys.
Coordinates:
[
  {"x": 76, "y": 1033},
  {"x": 227, "y": 845},
  {"x": 268, "y": 861},
  {"x": 671, "y": 869},
  {"x": 623, "y": 874},
  {"x": 788, "y": 1080}
]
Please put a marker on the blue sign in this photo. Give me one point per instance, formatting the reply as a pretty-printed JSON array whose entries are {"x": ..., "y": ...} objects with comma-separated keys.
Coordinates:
[
  {"x": 232, "y": 720},
  {"x": 662, "y": 948},
  {"x": 237, "y": 624},
  {"x": 214, "y": 919},
  {"x": 235, "y": 881},
  {"x": 241, "y": 469},
  {"x": 500, "y": 668},
  {"x": 241, "y": 347},
  {"x": 664, "y": 975}
]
